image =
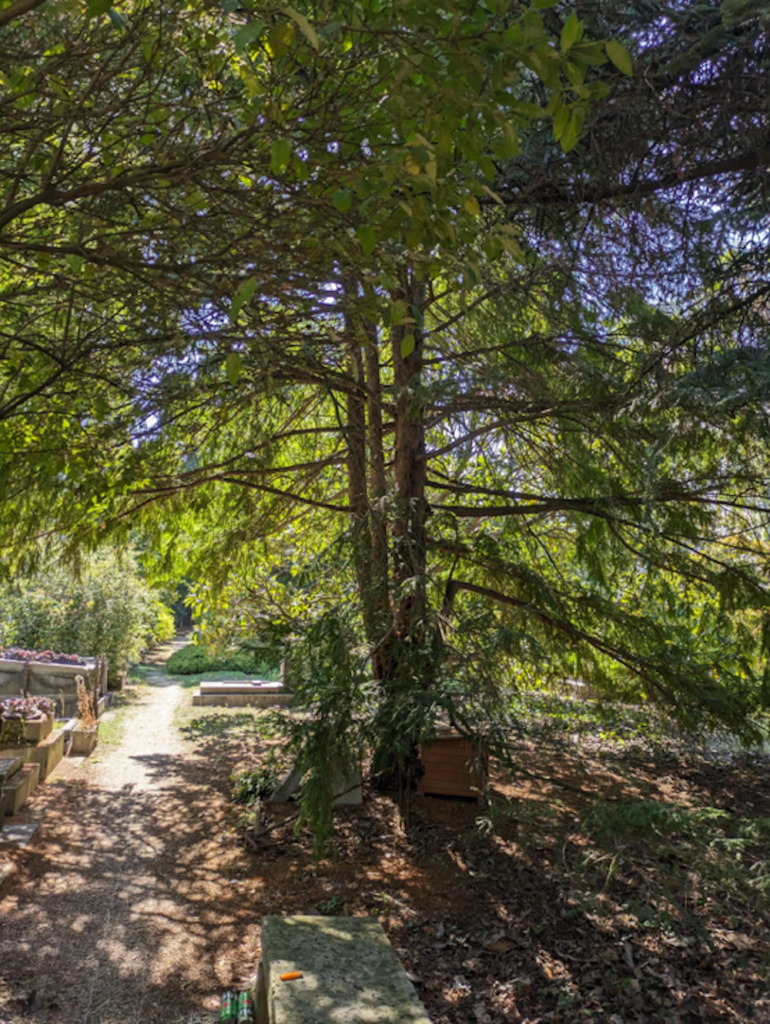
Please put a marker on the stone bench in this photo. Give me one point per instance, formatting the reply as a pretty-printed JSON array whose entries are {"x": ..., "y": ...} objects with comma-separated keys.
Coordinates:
[
  {"x": 241, "y": 693},
  {"x": 350, "y": 974}
]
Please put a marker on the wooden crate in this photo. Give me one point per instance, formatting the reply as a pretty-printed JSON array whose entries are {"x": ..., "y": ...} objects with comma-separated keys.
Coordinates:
[{"x": 447, "y": 761}]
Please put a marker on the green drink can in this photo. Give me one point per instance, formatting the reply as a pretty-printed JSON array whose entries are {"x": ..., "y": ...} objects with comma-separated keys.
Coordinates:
[
  {"x": 227, "y": 1008},
  {"x": 245, "y": 1008}
]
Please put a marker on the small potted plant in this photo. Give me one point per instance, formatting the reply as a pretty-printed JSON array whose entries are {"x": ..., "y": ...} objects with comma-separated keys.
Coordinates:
[{"x": 86, "y": 734}]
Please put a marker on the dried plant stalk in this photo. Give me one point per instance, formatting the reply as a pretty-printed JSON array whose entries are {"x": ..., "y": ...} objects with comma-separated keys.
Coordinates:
[{"x": 86, "y": 704}]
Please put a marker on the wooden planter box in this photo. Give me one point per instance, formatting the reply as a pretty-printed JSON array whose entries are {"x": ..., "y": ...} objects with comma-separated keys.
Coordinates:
[{"x": 449, "y": 763}]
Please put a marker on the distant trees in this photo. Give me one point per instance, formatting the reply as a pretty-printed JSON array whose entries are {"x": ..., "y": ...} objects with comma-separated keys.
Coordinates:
[{"x": 104, "y": 608}]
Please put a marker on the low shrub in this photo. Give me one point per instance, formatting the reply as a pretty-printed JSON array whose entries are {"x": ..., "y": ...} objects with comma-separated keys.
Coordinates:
[
  {"x": 250, "y": 786},
  {"x": 194, "y": 660}
]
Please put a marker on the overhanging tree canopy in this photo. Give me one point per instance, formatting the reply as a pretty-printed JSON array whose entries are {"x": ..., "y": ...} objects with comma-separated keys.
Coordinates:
[{"x": 451, "y": 294}]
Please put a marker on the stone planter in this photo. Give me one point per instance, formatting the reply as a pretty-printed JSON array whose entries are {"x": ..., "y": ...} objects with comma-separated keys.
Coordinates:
[
  {"x": 83, "y": 740},
  {"x": 14, "y": 732},
  {"x": 37, "y": 729},
  {"x": 47, "y": 753},
  {"x": 52, "y": 679}
]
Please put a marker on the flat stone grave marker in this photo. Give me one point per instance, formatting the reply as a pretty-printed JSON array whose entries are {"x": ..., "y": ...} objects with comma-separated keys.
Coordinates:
[
  {"x": 241, "y": 686},
  {"x": 350, "y": 974}
]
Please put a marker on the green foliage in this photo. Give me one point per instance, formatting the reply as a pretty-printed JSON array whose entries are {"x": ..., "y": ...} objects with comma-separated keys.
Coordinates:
[
  {"x": 195, "y": 660},
  {"x": 251, "y": 785},
  {"x": 104, "y": 607},
  {"x": 330, "y": 683},
  {"x": 164, "y": 628},
  {"x": 333, "y": 906},
  {"x": 725, "y": 849},
  {"x": 445, "y": 307}
]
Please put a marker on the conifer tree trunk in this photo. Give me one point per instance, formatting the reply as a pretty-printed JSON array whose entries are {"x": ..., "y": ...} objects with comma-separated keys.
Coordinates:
[{"x": 411, "y": 507}]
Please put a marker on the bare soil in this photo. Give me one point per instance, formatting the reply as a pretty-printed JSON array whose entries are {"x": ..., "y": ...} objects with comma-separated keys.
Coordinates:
[{"x": 140, "y": 899}]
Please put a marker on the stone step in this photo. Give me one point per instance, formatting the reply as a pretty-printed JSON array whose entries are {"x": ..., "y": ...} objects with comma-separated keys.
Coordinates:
[
  {"x": 20, "y": 787},
  {"x": 9, "y": 765},
  {"x": 241, "y": 700}
]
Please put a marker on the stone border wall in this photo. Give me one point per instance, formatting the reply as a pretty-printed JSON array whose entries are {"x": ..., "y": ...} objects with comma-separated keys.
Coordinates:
[{"x": 49, "y": 679}]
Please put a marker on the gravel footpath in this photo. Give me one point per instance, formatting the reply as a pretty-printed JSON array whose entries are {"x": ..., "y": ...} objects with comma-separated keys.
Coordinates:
[{"x": 123, "y": 909}]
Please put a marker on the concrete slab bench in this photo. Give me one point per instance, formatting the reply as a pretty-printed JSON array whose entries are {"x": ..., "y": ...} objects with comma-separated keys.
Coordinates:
[
  {"x": 350, "y": 974},
  {"x": 242, "y": 686},
  {"x": 241, "y": 693}
]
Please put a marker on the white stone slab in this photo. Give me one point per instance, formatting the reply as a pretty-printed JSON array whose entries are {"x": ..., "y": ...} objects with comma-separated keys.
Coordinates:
[{"x": 241, "y": 686}]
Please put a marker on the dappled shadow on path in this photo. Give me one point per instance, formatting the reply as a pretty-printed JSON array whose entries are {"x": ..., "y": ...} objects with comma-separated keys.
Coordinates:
[
  {"x": 123, "y": 904},
  {"x": 136, "y": 905}
]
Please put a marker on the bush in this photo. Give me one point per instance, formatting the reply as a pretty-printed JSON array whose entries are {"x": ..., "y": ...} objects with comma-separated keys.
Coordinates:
[
  {"x": 105, "y": 609},
  {"x": 252, "y": 785},
  {"x": 194, "y": 660}
]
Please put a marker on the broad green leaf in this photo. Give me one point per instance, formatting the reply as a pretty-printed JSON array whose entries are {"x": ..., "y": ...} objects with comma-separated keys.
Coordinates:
[
  {"x": 572, "y": 32},
  {"x": 571, "y": 134},
  {"x": 342, "y": 199},
  {"x": 598, "y": 90},
  {"x": 367, "y": 237},
  {"x": 471, "y": 204},
  {"x": 487, "y": 167},
  {"x": 493, "y": 246},
  {"x": 243, "y": 294},
  {"x": 233, "y": 367},
  {"x": 280, "y": 38},
  {"x": 398, "y": 311},
  {"x": 591, "y": 53},
  {"x": 247, "y": 34},
  {"x": 98, "y": 7},
  {"x": 407, "y": 345},
  {"x": 560, "y": 122},
  {"x": 575, "y": 72},
  {"x": 280, "y": 152},
  {"x": 620, "y": 57},
  {"x": 117, "y": 20},
  {"x": 542, "y": 5},
  {"x": 305, "y": 27}
]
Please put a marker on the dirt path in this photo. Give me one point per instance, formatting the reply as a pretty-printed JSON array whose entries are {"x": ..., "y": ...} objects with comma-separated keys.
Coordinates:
[{"x": 126, "y": 896}]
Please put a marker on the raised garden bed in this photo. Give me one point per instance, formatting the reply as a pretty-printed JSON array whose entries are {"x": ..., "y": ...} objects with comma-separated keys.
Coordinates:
[
  {"x": 56, "y": 680},
  {"x": 25, "y": 720},
  {"x": 242, "y": 693},
  {"x": 47, "y": 753}
]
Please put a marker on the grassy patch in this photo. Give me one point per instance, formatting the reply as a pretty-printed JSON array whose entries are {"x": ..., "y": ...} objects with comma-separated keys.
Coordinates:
[
  {"x": 213, "y": 722},
  {"x": 690, "y": 858},
  {"x": 112, "y": 725}
]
